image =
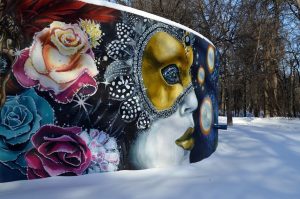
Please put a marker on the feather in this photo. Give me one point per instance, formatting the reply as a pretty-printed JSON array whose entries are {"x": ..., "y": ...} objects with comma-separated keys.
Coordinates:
[
  {"x": 115, "y": 69},
  {"x": 101, "y": 14},
  {"x": 34, "y": 15}
]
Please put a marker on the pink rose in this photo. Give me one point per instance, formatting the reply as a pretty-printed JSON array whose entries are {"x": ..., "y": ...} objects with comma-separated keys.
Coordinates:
[
  {"x": 60, "y": 61},
  {"x": 57, "y": 151}
]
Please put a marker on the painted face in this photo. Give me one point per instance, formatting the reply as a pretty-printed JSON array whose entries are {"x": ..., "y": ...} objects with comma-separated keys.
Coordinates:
[
  {"x": 166, "y": 142},
  {"x": 166, "y": 66}
]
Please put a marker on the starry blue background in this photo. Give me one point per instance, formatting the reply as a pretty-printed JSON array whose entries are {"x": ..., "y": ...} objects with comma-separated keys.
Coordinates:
[{"x": 205, "y": 145}]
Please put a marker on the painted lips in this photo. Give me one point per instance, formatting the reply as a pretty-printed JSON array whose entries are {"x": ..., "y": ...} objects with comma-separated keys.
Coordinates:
[{"x": 186, "y": 141}]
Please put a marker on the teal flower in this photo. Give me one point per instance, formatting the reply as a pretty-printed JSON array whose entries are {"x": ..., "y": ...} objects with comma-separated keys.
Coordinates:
[{"x": 21, "y": 117}]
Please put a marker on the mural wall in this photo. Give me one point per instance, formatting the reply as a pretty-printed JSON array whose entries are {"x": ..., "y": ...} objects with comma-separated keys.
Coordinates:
[{"x": 88, "y": 89}]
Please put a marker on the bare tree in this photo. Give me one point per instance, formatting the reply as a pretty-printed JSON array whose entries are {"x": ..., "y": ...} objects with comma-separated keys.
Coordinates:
[{"x": 259, "y": 45}]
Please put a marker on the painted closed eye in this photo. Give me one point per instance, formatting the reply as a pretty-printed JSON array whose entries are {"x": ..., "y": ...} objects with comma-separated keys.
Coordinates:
[{"x": 171, "y": 74}]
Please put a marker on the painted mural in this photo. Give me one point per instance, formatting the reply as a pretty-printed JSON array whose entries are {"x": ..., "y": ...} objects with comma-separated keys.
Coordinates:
[{"x": 89, "y": 89}]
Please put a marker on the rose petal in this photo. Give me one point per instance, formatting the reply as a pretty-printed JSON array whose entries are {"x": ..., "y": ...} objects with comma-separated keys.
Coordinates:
[
  {"x": 23, "y": 114},
  {"x": 85, "y": 84},
  {"x": 85, "y": 64},
  {"x": 5, "y": 110},
  {"x": 18, "y": 70},
  {"x": 50, "y": 130},
  {"x": 55, "y": 139},
  {"x": 11, "y": 155},
  {"x": 43, "y": 108},
  {"x": 55, "y": 61},
  {"x": 12, "y": 122},
  {"x": 41, "y": 173},
  {"x": 49, "y": 148},
  {"x": 45, "y": 82},
  {"x": 33, "y": 159},
  {"x": 74, "y": 129},
  {"x": 35, "y": 165},
  {"x": 14, "y": 165},
  {"x": 90, "y": 52},
  {"x": 39, "y": 162},
  {"x": 63, "y": 138},
  {"x": 43, "y": 151},
  {"x": 57, "y": 36},
  {"x": 55, "y": 169},
  {"x": 9, "y": 134},
  {"x": 60, "y": 26},
  {"x": 37, "y": 49},
  {"x": 23, "y": 134},
  {"x": 73, "y": 159},
  {"x": 23, "y": 137},
  {"x": 21, "y": 161},
  {"x": 30, "y": 70},
  {"x": 31, "y": 175}
]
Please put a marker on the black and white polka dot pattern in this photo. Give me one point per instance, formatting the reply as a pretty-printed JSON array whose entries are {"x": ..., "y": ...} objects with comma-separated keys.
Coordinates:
[
  {"x": 132, "y": 19},
  {"x": 130, "y": 109},
  {"x": 124, "y": 32},
  {"x": 115, "y": 48},
  {"x": 143, "y": 121},
  {"x": 121, "y": 87}
]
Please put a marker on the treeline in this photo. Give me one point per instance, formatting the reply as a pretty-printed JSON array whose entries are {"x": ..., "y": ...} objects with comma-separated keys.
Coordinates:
[{"x": 259, "y": 45}]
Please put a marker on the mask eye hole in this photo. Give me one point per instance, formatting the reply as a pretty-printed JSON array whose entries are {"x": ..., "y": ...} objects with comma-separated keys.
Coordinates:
[{"x": 171, "y": 74}]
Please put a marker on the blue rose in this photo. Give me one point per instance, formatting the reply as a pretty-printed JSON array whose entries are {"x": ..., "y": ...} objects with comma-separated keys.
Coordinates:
[{"x": 21, "y": 117}]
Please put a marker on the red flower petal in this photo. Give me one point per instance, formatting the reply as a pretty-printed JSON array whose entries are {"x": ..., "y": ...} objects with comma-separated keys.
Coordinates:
[
  {"x": 60, "y": 152},
  {"x": 35, "y": 167},
  {"x": 18, "y": 70},
  {"x": 62, "y": 138},
  {"x": 52, "y": 133},
  {"x": 32, "y": 159},
  {"x": 85, "y": 85},
  {"x": 31, "y": 175},
  {"x": 74, "y": 159},
  {"x": 48, "y": 148},
  {"x": 54, "y": 169},
  {"x": 41, "y": 173}
]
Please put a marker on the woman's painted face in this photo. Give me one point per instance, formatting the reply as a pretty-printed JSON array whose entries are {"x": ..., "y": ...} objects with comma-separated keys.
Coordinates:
[
  {"x": 160, "y": 145},
  {"x": 166, "y": 75},
  {"x": 166, "y": 67}
]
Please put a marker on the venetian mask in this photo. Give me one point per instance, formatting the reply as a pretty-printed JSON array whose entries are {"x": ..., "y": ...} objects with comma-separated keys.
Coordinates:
[{"x": 166, "y": 66}]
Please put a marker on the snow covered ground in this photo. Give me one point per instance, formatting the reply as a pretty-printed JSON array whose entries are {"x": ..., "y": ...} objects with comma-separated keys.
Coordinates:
[{"x": 256, "y": 158}]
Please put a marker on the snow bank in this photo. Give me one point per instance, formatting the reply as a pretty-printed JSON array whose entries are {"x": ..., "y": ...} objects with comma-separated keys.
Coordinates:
[{"x": 256, "y": 158}]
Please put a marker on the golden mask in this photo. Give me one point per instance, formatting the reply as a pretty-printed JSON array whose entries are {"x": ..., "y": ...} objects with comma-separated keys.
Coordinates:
[{"x": 166, "y": 66}]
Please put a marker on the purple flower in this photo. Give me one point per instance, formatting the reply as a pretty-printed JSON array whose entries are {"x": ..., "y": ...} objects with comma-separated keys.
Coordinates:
[{"x": 57, "y": 151}]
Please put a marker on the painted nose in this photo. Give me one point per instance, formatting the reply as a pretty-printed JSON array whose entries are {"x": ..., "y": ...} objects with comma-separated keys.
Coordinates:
[{"x": 189, "y": 104}]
